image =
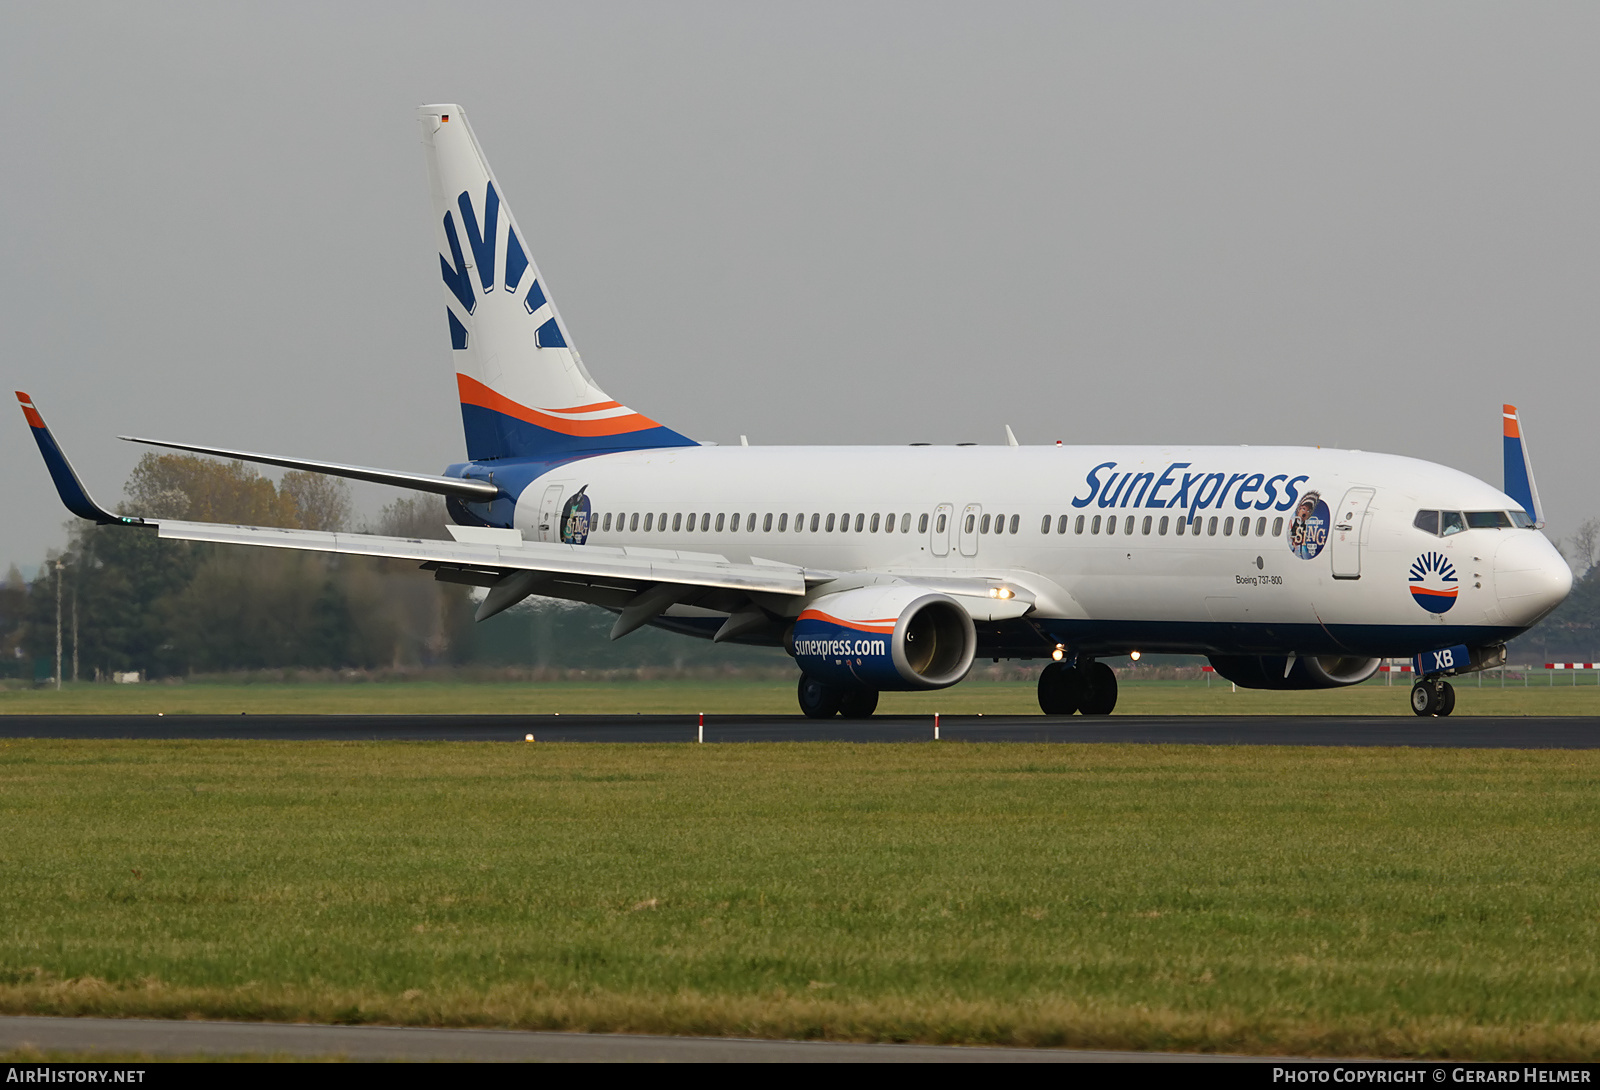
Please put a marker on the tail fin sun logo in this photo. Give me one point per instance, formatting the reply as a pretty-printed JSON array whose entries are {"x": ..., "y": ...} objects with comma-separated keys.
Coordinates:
[
  {"x": 482, "y": 243},
  {"x": 1433, "y": 582}
]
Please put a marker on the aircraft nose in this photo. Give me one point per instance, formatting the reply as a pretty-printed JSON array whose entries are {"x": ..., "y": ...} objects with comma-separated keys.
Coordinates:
[{"x": 1530, "y": 577}]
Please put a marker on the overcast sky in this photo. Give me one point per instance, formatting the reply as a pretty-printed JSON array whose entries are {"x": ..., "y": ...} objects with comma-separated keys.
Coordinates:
[{"x": 1348, "y": 224}]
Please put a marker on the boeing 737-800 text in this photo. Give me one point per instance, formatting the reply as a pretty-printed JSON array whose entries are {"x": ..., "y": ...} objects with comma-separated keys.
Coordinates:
[{"x": 882, "y": 568}]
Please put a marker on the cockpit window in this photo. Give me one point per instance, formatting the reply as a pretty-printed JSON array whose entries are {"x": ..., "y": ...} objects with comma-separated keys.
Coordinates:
[
  {"x": 1427, "y": 520},
  {"x": 1520, "y": 520},
  {"x": 1450, "y": 522},
  {"x": 1488, "y": 520}
]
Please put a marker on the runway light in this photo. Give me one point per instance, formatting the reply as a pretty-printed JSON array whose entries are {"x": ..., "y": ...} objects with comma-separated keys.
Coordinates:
[
  {"x": 1134, "y": 655},
  {"x": 1059, "y": 653}
]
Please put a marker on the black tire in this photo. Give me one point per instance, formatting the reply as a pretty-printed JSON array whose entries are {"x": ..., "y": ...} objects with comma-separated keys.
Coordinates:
[
  {"x": 1447, "y": 699},
  {"x": 1060, "y": 689},
  {"x": 858, "y": 703},
  {"x": 818, "y": 699},
  {"x": 1422, "y": 698},
  {"x": 1099, "y": 689}
]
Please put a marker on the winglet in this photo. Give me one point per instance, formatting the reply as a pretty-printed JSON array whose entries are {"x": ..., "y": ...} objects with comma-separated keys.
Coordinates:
[
  {"x": 1519, "y": 483},
  {"x": 73, "y": 494}
]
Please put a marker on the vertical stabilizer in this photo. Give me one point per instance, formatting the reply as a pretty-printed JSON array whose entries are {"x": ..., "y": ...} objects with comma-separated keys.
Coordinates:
[
  {"x": 524, "y": 390},
  {"x": 1519, "y": 483}
]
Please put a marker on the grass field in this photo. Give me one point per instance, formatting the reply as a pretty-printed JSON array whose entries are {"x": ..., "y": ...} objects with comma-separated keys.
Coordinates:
[
  {"x": 1375, "y": 901},
  {"x": 756, "y": 697}
]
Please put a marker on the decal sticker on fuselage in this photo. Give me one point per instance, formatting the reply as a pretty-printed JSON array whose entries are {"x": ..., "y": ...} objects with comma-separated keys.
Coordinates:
[
  {"x": 575, "y": 518},
  {"x": 1308, "y": 531}
]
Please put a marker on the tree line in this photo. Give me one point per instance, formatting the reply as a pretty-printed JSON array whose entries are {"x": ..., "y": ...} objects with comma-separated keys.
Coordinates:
[{"x": 131, "y": 602}]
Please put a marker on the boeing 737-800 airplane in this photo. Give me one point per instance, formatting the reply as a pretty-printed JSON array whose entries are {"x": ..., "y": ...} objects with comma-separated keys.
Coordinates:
[{"x": 883, "y": 568}]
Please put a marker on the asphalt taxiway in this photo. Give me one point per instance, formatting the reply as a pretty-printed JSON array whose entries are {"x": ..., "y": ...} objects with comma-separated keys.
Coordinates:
[
  {"x": 1470, "y": 732},
  {"x": 155, "y": 1038}
]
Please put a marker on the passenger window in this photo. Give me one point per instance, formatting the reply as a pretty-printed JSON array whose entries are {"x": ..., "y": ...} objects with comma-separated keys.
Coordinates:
[
  {"x": 1211, "y": 528},
  {"x": 876, "y": 520},
  {"x": 649, "y": 519},
  {"x": 814, "y": 519},
  {"x": 1450, "y": 522},
  {"x": 1015, "y": 521},
  {"x": 1427, "y": 522},
  {"x": 661, "y": 523},
  {"x": 1244, "y": 526},
  {"x": 1077, "y": 527},
  {"x": 677, "y": 522},
  {"x": 1061, "y": 524},
  {"x": 1127, "y": 527},
  {"x": 766, "y": 523},
  {"x": 1044, "y": 527},
  {"x": 1277, "y": 526},
  {"x": 905, "y": 522},
  {"x": 633, "y": 521},
  {"x": 1094, "y": 527},
  {"x": 984, "y": 529},
  {"x": 844, "y": 524},
  {"x": 922, "y": 524},
  {"x": 722, "y": 520},
  {"x": 1183, "y": 524},
  {"x": 830, "y": 524},
  {"x": 1227, "y": 526},
  {"x": 606, "y": 525},
  {"x": 970, "y": 520},
  {"x": 1145, "y": 529},
  {"x": 940, "y": 528},
  {"x": 1111, "y": 524},
  {"x": 1162, "y": 527},
  {"x": 750, "y": 522},
  {"x": 859, "y": 520},
  {"x": 1261, "y": 526},
  {"x": 783, "y": 523},
  {"x": 705, "y": 522}
]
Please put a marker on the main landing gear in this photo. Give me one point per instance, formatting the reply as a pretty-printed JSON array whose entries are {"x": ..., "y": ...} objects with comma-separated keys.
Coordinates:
[
  {"x": 1090, "y": 688},
  {"x": 1433, "y": 696},
  {"x": 819, "y": 700}
]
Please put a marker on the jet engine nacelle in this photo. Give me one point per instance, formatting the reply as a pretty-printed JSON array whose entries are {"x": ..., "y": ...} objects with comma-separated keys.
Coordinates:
[
  {"x": 894, "y": 637},
  {"x": 1315, "y": 672}
]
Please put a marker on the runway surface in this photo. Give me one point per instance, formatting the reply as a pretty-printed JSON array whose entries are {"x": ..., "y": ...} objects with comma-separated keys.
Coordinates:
[
  {"x": 155, "y": 1037},
  {"x": 1474, "y": 732}
]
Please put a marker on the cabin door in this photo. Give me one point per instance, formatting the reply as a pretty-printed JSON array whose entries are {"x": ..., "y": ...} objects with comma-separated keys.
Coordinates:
[
  {"x": 1349, "y": 527},
  {"x": 550, "y": 514},
  {"x": 969, "y": 528},
  {"x": 939, "y": 532}
]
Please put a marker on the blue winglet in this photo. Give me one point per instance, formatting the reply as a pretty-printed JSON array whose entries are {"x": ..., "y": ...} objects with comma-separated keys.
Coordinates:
[
  {"x": 73, "y": 494},
  {"x": 1519, "y": 483}
]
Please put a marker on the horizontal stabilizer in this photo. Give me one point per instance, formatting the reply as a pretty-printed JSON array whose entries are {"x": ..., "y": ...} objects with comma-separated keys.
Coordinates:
[
  {"x": 480, "y": 491},
  {"x": 73, "y": 494},
  {"x": 1519, "y": 483}
]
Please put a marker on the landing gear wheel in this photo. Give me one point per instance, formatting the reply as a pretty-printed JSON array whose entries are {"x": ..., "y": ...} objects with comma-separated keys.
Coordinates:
[
  {"x": 818, "y": 699},
  {"x": 1099, "y": 689},
  {"x": 1433, "y": 696},
  {"x": 1060, "y": 689},
  {"x": 858, "y": 703},
  {"x": 1422, "y": 698}
]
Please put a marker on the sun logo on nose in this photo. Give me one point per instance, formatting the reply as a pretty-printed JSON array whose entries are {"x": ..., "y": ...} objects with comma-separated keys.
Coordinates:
[{"x": 1433, "y": 582}]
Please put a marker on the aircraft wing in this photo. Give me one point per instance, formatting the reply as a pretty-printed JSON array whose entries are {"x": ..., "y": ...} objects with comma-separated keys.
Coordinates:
[{"x": 642, "y": 582}]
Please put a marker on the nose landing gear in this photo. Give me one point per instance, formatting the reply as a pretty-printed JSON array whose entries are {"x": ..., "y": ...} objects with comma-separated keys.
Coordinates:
[
  {"x": 1090, "y": 688},
  {"x": 1433, "y": 696}
]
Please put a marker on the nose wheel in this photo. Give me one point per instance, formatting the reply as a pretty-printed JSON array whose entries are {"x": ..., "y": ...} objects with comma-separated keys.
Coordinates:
[{"x": 1433, "y": 696}]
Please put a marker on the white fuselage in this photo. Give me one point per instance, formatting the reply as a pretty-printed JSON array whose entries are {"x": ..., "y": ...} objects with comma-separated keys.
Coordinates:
[{"x": 1136, "y": 582}]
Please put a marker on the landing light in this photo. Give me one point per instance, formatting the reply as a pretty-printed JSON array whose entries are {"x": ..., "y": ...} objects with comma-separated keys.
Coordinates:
[
  {"x": 1134, "y": 655},
  {"x": 1002, "y": 592},
  {"x": 1059, "y": 653}
]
